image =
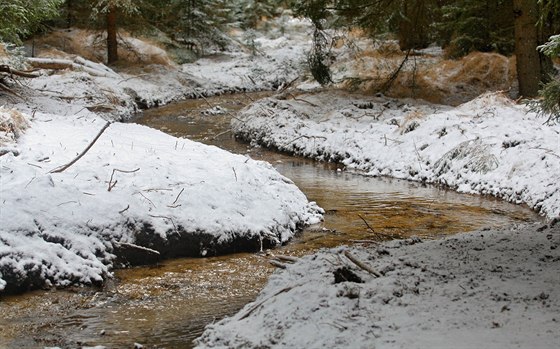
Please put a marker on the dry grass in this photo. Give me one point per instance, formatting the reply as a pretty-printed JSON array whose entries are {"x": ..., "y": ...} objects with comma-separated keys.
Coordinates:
[
  {"x": 431, "y": 77},
  {"x": 92, "y": 46}
]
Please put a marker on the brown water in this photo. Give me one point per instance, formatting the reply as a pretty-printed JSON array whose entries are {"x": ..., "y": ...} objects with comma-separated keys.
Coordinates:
[{"x": 168, "y": 305}]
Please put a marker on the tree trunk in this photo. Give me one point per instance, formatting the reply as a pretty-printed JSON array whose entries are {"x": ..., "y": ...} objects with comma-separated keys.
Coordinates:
[
  {"x": 112, "y": 55},
  {"x": 529, "y": 70}
]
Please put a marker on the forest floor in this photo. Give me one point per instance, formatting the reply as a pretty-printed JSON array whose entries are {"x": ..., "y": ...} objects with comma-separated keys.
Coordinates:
[{"x": 494, "y": 289}]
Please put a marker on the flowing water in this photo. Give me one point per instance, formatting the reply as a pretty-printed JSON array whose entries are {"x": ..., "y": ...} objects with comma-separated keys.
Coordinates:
[{"x": 168, "y": 305}]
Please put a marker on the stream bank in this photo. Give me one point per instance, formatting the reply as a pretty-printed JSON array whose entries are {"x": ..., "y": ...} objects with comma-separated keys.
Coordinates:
[{"x": 169, "y": 304}]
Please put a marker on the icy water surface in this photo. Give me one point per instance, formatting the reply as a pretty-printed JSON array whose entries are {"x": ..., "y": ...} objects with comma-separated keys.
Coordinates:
[{"x": 168, "y": 305}]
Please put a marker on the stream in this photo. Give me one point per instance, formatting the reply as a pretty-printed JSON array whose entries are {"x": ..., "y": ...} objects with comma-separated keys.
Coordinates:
[{"x": 168, "y": 305}]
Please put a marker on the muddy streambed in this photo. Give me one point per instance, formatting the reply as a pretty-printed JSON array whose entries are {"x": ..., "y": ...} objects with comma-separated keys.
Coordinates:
[{"x": 168, "y": 305}]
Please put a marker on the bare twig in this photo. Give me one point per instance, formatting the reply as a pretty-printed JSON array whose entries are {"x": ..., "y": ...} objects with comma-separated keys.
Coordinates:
[
  {"x": 177, "y": 198},
  {"x": 302, "y": 100},
  {"x": 122, "y": 211},
  {"x": 387, "y": 85},
  {"x": 361, "y": 264},
  {"x": 258, "y": 305},
  {"x": 387, "y": 236},
  {"x": 132, "y": 77},
  {"x": 111, "y": 183},
  {"x": 150, "y": 201},
  {"x": 306, "y": 137},
  {"x": 165, "y": 217},
  {"x": 62, "y": 168},
  {"x": 277, "y": 264}
]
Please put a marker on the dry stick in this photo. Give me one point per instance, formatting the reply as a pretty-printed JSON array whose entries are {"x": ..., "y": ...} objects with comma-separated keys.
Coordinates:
[
  {"x": 304, "y": 136},
  {"x": 132, "y": 77},
  {"x": 122, "y": 211},
  {"x": 177, "y": 198},
  {"x": 373, "y": 231},
  {"x": 234, "y": 173},
  {"x": 221, "y": 134},
  {"x": 288, "y": 85},
  {"x": 258, "y": 305},
  {"x": 302, "y": 100},
  {"x": 62, "y": 168},
  {"x": 395, "y": 74},
  {"x": 288, "y": 259},
  {"x": 165, "y": 217},
  {"x": 150, "y": 201},
  {"x": 8, "y": 90},
  {"x": 6, "y": 69},
  {"x": 277, "y": 264},
  {"x": 361, "y": 264},
  {"x": 111, "y": 184}
]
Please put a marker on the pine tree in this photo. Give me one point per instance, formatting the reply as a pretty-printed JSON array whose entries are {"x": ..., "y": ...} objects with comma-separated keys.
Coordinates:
[
  {"x": 477, "y": 25},
  {"x": 111, "y": 9},
  {"x": 20, "y": 18}
]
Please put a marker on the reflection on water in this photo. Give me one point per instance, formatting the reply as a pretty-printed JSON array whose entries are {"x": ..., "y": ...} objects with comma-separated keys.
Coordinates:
[{"x": 169, "y": 305}]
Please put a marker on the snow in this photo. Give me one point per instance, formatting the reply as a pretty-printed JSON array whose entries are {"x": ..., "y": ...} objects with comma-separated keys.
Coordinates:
[
  {"x": 63, "y": 226},
  {"x": 488, "y": 146},
  {"x": 491, "y": 289}
]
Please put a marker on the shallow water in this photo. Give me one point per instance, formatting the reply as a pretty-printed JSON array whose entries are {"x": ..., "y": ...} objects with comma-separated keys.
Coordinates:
[{"x": 168, "y": 305}]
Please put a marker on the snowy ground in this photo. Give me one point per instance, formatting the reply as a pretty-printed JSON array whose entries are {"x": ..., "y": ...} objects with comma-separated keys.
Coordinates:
[
  {"x": 135, "y": 185},
  {"x": 484, "y": 289},
  {"x": 488, "y": 289},
  {"x": 487, "y": 146}
]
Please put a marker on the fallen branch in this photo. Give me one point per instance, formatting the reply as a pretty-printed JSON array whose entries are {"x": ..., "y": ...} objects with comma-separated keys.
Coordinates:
[
  {"x": 361, "y": 265},
  {"x": 136, "y": 247},
  {"x": 277, "y": 264},
  {"x": 387, "y": 85},
  {"x": 387, "y": 236},
  {"x": 177, "y": 198},
  {"x": 64, "y": 167},
  {"x": 123, "y": 211},
  {"x": 7, "y": 69},
  {"x": 288, "y": 259},
  {"x": 79, "y": 64},
  {"x": 258, "y": 305},
  {"x": 111, "y": 183},
  {"x": 302, "y": 100}
]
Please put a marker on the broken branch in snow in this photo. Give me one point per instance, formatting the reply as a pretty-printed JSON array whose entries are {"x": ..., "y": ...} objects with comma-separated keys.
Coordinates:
[
  {"x": 111, "y": 183},
  {"x": 302, "y": 100},
  {"x": 79, "y": 63},
  {"x": 258, "y": 305},
  {"x": 360, "y": 264},
  {"x": 64, "y": 167},
  {"x": 288, "y": 259},
  {"x": 8, "y": 70},
  {"x": 306, "y": 137},
  {"x": 164, "y": 217},
  {"x": 176, "y": 199},
  {"x": 124, "y": 210},
  {"x": 277, "y": 264}
]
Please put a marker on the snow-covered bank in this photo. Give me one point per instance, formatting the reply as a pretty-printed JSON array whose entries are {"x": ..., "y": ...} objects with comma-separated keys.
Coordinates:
[
  {"x": 134, "y": 186},
  {"x": 486, "y": 289},
  {"x": 278, "y": 59},
  {"x": 487, "y": 146}
]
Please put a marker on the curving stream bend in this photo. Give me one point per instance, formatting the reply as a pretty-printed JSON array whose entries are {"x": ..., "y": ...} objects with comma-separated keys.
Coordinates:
[{"x": 168, "y": 305}]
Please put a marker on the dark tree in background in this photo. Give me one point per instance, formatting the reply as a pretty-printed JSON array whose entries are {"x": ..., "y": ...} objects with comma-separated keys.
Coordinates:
[{"x": 529, "y": 69}]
